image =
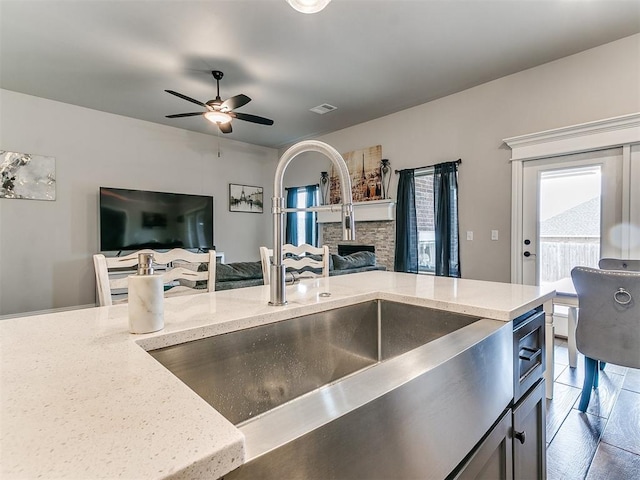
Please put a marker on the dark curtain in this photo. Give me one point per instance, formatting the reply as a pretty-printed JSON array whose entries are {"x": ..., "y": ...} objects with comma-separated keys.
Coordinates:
[
  {"x": 291, "y": 228},
  {"x": 310, "y": 224},
  {"x": 406, "y": 255},
  {"x": 445, "y": 200}
]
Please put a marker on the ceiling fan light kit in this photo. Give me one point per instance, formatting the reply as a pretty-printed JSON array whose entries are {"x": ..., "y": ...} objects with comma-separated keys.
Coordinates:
[
  {"x": 217, "y": 117},
  {"x": 308, "y": 6},
  {"x": 219, "y": 112}
]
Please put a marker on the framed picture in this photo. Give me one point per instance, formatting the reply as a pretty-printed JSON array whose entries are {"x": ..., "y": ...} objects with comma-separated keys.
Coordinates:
[{"x": 245, "y": 198}]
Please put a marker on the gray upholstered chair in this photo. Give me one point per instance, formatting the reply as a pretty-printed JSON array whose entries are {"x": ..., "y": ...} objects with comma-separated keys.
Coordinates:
[
  {"x": 608, "y": 328},
  {"x": 623, "y": 264},
  {"x": 619, "y": 264}
]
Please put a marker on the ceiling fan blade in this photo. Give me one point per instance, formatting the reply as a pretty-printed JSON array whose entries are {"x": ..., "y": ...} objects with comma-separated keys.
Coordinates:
[
  {"x": 236, "y": 102},
  {"x": 179, "y": 115},
  {"x": 225, "y": 127},
  {"x": 184, "y": 97},
  {"x": 251, "y": 118}
]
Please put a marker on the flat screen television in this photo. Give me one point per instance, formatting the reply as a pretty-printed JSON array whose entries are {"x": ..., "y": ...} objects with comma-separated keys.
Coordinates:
[{"x": 135, "y": 219}]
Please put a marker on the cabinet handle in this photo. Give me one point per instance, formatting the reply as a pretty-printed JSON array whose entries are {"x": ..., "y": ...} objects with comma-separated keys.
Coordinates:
[
  {"x": 521, "y": 436},
  {"x": 528, "y": 354}
]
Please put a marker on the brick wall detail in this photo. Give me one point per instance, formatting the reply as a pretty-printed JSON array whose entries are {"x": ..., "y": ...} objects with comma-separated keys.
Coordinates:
[
  {"x": 424, "y": 203},
  {"x": 381, "y": 234}
]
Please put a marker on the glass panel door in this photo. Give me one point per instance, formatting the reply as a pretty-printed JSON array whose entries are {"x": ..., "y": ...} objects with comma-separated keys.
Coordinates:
[
  {"x": 569, "y": 224},
  {"x": 572, "y": 211}
]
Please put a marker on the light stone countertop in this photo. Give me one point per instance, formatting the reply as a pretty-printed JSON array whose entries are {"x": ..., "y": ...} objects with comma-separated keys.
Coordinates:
[{"x": 81, "y": 398}]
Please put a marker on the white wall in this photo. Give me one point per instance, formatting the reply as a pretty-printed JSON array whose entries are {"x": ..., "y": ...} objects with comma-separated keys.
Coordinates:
[
  {"x": 46, "y": 247},
  {"x": 599, "y": 83}
]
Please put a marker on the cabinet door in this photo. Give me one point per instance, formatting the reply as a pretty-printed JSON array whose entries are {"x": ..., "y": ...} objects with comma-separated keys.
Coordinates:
[
  {"x": 529, "y": 436},
  {"x": 492, "y": 459}
]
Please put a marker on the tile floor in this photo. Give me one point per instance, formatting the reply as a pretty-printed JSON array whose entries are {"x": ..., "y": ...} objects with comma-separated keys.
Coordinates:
[{"x": 604, "y": 442}]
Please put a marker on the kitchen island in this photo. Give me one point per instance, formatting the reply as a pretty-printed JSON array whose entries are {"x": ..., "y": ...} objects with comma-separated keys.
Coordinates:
[{"x": 82, "y": 398}]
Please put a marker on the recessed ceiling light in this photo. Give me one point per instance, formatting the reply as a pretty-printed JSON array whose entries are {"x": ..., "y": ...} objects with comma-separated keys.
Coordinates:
[{"x": 308, "y": 6}]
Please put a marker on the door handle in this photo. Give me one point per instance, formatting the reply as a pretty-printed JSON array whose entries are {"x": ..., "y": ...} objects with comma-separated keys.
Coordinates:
[
  {"x": 520, "y": 436},
  {"x": 529, "y": 254}
]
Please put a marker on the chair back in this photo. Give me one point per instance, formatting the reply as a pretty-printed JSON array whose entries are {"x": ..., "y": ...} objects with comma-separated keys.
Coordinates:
[
  {"x": 265, "y": 259},
  {"x": 182, "y": 273},
  {"x": 619, "y": 264},
  {"x": 608, "y": 326},
  {"x": 306, "y": 260}
]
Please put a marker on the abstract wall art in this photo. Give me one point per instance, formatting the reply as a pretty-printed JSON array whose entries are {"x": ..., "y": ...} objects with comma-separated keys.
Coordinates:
[{"x": 23, "y": 175}]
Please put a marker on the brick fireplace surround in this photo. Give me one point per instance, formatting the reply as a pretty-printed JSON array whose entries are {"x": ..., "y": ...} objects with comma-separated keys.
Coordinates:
[{"x": 381, "y": 234}]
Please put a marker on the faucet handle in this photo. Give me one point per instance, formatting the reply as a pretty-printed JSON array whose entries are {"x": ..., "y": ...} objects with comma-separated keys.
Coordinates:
[
  {"x": 348, "y": 227},
  {"x": 291, "y": 278}
]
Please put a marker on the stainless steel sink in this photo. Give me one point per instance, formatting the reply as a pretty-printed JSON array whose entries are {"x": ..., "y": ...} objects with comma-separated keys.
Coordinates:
[{"x": 249, "y": 372}]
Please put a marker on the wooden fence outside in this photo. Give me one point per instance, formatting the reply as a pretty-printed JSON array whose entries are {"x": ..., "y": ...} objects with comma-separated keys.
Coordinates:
[{"x": 558, "y": 255}]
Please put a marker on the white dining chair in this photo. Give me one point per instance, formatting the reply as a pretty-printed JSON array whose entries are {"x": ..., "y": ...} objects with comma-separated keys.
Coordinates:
[
  {"x": 183, "y": 272},
  {"x": 306, "y": 260}
]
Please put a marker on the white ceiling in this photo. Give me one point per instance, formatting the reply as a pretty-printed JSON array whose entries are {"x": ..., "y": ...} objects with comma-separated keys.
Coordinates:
[{"x": 369, "y": 58}]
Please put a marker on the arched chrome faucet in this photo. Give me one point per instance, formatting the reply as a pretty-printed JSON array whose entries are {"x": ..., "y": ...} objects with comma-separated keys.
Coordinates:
[{"x": 277, "y": 274}]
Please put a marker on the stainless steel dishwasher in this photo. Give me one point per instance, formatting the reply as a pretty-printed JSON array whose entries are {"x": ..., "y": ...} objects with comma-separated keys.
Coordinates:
[
  {"x": 515, "y": 447},
  {"x": 529, "y": 409}
]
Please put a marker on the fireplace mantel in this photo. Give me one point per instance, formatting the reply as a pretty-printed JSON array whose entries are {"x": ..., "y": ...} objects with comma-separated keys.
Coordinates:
[{"x": 375, "y": 210}]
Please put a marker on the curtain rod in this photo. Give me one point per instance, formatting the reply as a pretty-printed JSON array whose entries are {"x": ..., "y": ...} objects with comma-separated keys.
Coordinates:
[
  {"x": 459, "y": 161},
  {"x": 303, "y": 186}
]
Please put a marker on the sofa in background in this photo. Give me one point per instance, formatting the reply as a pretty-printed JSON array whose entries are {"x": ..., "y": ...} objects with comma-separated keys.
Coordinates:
[
  {"x": 249, "y": 274},
  {"x": 238, "y": 275},
  {"x": 353, "y": 263}
]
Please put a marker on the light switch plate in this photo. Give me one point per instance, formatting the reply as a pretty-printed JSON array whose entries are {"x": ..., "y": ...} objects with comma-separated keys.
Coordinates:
[
  {"x": 494, "y": 234},
  {"x": 469, "y": 235}
]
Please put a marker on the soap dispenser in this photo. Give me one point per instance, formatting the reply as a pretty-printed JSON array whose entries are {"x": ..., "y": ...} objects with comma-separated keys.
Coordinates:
[{"x": 146, "y": 298}]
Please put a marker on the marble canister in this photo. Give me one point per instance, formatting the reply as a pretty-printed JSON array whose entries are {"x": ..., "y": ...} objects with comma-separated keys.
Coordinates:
[{"x": 146, "y": 298}]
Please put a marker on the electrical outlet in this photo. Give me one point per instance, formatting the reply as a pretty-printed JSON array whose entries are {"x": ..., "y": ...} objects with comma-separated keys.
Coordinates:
[
  {"x": 469, "y": 235},
  {"x": 494, "y": 234}
]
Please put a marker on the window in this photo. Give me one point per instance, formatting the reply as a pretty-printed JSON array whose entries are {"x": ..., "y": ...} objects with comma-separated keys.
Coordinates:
[
  {"x": 569, "y": 221},
  {"x": 301, "y": 202},
  {"x": 427, "y": 221},
  {"x": 425, "y": 216},
  {"x": 302, "y": 226}
]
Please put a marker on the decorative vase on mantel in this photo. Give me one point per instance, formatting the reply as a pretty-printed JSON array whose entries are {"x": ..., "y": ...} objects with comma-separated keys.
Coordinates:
[
  {"x": 385, "y": 173},
  {"x": 324, "y": 187}
]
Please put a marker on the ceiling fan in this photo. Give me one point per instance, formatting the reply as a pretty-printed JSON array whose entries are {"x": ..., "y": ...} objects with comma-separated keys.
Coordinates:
[{"x": 219, "y": 112}]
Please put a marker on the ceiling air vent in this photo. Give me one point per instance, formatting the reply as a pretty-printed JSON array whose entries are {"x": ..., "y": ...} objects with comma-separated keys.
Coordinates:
[{"x": 322, "y": 109}]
